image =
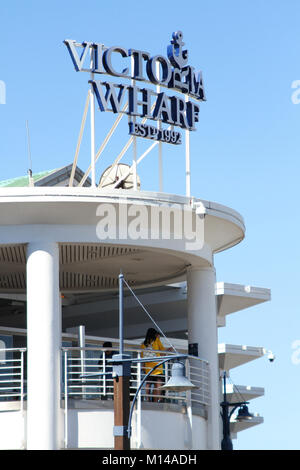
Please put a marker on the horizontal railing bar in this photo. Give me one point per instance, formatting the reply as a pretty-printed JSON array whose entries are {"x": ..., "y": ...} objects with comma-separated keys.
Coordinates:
[
  {"x": 11, "y": 366},
  {"x": 9, "y": 388},
  {"x": 11, "y": 395},
  {"x": 10, "y": 378},
  {"x": 10, "y": 371},
  {"x": 9, "y": 381},
  {"x": 13, "y": 349}
]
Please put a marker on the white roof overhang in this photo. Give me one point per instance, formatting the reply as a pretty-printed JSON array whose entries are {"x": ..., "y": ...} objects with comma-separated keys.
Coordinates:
[
  {"x": 237, "y": 426},
  {"x": 235, "y": 297},
  {"x": 238, "y": 393},
  {"x": 231, "y": 355}
]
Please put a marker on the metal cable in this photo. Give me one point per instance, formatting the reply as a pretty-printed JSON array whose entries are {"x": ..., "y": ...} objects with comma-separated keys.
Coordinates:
[
  {"x": 237, "y": 390},
  {"x": 145, "y": 310}
]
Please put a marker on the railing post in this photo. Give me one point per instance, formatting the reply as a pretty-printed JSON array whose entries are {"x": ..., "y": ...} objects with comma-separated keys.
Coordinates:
[
  {"x": 22, "y": 380},
  {"x": 189, "y": 398},
  {"x": 66, "y": 398},
  {"x": 81, "y": 334},
  {"x": 104, "y": 370},
  {"x": 167, "y": 393},
  {"x": 139, "y": 405}
]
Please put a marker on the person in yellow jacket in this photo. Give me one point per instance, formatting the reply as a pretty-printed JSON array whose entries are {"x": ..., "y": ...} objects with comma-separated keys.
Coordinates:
[{"x": 151, "y": 344}]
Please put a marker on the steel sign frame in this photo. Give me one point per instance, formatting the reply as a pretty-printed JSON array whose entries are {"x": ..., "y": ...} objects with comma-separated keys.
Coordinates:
[{"x": 171, "y": 72}]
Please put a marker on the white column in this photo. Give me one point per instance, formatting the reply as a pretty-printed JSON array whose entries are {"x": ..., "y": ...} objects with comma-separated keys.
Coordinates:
[
  {"x": 202, "y": 330},
  {"x": 43, "y": 343}
]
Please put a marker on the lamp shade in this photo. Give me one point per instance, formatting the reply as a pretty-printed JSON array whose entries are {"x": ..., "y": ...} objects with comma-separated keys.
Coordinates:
[
  {"x": 244, "y": 414},
  {"x": 178, "y": 382}
]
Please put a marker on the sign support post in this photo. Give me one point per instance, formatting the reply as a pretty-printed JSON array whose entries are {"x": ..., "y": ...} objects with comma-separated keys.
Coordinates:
[
  {"x": 172, "y": 72},
  {"x": 92, "y": 113},
  {"x": 187, "y": 160},
  {"x": 160, "y": 162}
]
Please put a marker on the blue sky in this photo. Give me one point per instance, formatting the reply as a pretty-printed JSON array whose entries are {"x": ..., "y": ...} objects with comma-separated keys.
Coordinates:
[{"x": 245, "y": 152}]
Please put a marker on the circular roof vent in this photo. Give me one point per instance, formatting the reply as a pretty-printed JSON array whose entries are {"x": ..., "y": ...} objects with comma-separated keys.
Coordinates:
[{"x": 121, "y": 173}]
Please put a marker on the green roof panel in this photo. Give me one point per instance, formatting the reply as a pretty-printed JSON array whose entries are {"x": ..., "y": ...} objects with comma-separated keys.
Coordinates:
[{"x": 22, "y": 181}]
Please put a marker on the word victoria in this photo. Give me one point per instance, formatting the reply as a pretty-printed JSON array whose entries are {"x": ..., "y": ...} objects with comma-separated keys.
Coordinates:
[{"x": 171, "y": 72}]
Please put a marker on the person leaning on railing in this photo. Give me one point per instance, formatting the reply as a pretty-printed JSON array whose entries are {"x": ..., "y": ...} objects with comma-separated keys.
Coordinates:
[{"x": 151, "y": 344}]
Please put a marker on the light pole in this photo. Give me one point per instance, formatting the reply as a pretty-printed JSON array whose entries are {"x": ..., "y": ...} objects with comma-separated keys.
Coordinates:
[
  {"x": 121, "y": 373},
  {"x": 227, "y": 411}
]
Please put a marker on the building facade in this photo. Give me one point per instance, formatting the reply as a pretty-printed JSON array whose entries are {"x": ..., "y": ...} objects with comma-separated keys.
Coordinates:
[{"x": 62, "y": 249}]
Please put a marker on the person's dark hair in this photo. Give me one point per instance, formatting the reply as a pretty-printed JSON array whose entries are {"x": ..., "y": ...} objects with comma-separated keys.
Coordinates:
[
  {"x": 107, "y": 344},
  {"x": 150, "y": 336}
]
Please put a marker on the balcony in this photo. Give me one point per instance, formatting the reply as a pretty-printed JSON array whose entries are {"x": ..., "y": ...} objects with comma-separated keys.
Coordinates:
[{"x": 87, "y": 403}]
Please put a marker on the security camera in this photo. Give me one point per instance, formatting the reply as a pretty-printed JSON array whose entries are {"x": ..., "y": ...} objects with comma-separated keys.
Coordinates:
[
  {"x": 271, "y": 357},
  {"x": 200, "y": 209}
]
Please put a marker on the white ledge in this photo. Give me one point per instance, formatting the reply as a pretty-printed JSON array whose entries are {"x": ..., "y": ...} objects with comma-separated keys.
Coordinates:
[
  {"x": 235, "y": 297},
  {"x": 231, "y": 355}
]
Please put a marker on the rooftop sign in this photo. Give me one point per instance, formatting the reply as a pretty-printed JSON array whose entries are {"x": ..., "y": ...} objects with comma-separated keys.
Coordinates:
[{"x": 171, "y": 72}]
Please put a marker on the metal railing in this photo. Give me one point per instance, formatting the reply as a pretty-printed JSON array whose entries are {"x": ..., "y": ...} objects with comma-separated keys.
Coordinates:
[
  {"x": 81, "y": 382},
  {"x": 77, "y": 364},
  {"x": 12, "y": 377}
]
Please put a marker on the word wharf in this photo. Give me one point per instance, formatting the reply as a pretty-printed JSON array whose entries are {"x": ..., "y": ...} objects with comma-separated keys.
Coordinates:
[
  {"x": 172, "y": 72},
  {"x": 170, "y": 110}
]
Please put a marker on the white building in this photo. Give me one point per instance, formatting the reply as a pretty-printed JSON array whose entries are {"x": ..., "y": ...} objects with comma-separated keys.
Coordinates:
[{"x": 59, "y": 292}]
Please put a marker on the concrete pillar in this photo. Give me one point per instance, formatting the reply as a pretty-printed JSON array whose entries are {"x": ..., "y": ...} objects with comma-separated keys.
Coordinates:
[
  {"x": 43, "y": 343},
  {"x": 202, "y": 332}
]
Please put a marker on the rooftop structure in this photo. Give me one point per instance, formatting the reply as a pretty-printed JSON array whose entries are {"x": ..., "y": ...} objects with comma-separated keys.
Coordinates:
[{"x": 64, "y": 239}]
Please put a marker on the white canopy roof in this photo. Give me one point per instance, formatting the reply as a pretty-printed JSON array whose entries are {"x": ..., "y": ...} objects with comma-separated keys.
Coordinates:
[
  {"x": 237, "y": 426},
  {"x": 235, "y": 297},
  {"x": 236, "y": 393},
  {"x": 232, "y": 355}
]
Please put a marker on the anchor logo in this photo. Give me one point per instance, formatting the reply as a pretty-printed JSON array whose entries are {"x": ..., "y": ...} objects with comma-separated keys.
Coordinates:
[{"x": 176, "y": 55}]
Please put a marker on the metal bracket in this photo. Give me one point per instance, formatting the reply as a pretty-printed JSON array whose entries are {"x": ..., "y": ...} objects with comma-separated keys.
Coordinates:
[
  {"x": 121, "y": 365},
  {"x": 120, "y": 431}
]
